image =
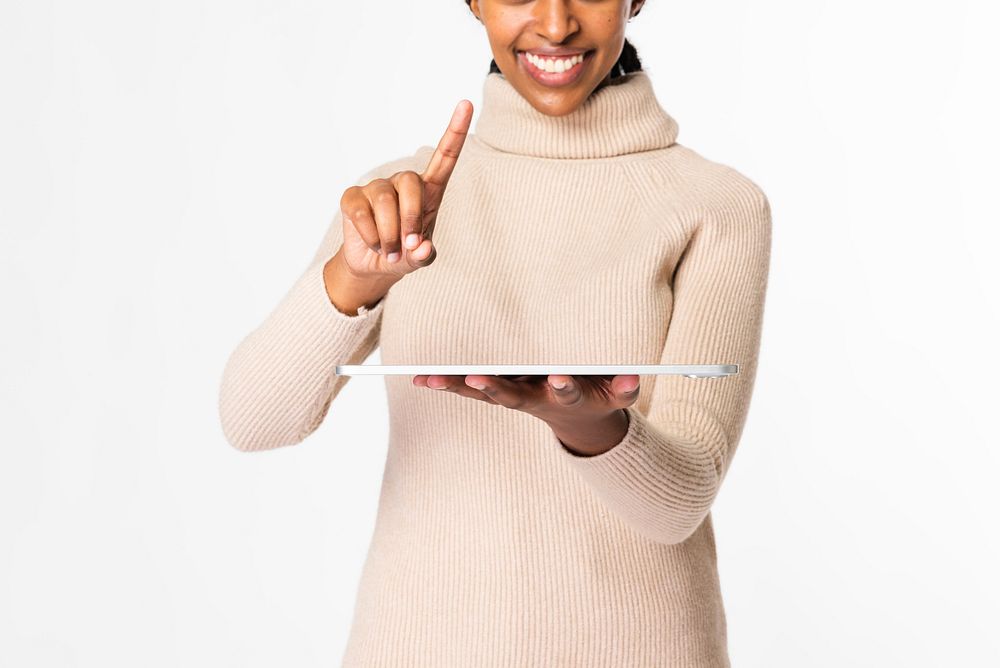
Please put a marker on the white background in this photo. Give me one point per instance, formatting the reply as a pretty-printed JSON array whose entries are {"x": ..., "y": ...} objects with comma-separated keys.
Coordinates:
[{"x": 167, "y": 170}]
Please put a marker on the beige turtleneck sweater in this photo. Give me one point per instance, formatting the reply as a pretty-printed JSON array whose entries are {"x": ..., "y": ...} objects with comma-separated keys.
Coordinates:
[{"x": 592, "y": 238}]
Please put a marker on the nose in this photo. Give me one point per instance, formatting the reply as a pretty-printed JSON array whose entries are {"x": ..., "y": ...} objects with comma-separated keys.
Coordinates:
[{"x": 554, "y": 20}]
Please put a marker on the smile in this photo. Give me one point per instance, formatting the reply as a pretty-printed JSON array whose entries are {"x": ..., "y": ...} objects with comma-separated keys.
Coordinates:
[{"x": 554, "y": 71}]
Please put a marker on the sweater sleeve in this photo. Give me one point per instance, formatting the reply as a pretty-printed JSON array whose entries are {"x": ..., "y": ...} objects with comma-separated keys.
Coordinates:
[
  {"x": 663, "y": 476},
  {"x": 279, "y": 381}
]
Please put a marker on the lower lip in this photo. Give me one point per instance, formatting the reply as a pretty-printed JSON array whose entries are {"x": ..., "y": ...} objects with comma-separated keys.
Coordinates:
[{"x": 554, "y": 79}]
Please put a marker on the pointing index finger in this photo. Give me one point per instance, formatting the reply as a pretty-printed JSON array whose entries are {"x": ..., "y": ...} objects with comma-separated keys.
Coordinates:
[{"x": 443, "y": 161}]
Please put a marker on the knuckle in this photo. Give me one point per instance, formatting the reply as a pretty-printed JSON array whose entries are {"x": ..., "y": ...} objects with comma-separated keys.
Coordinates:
[
  {"x": 385, "y": 196},
  {"x": 349, "y": 194}
]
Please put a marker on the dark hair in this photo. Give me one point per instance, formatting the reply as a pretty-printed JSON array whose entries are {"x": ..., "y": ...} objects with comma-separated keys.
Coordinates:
[{"x": 627, "y": 62}]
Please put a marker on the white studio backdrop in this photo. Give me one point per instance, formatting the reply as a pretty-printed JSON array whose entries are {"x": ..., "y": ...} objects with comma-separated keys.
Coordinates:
[{"x": 168, "y": 168}]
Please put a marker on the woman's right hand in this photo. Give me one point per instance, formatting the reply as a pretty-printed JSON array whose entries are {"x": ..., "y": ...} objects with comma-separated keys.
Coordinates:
[{"x": 380, "y": 216}]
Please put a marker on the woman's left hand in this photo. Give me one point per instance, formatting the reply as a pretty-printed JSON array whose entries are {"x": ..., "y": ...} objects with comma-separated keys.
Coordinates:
[{"x": 587, "y": 414}]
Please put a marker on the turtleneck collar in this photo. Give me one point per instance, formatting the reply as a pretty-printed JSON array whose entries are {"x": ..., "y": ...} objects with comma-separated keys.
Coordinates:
[{"x": 618, "y": 118}]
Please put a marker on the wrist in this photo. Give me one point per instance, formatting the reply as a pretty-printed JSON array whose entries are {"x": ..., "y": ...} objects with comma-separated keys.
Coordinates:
[
  {"x": 591, "y": 439},
  {"x": 348, "y": 291}
]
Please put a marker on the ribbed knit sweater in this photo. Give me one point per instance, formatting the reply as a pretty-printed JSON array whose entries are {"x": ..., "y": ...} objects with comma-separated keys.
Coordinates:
[{"x": 591, "y": 238}]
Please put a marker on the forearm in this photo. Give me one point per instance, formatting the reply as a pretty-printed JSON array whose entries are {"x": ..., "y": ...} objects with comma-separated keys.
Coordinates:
[
  {"x": 280, "y": 380},
  {"x": 348, "y": 292}
]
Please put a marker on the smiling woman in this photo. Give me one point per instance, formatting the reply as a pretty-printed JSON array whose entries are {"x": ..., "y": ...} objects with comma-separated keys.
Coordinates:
[
  {"x": 557, "y": 52},
  {"x": 547, "y": 521},
  {"x": 627, "y": 62}
]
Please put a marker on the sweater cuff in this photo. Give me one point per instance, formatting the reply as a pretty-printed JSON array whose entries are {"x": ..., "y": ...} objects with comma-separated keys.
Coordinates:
[
  {"x": 322, "y": 311},
  {"x": 660, "y": 478}
]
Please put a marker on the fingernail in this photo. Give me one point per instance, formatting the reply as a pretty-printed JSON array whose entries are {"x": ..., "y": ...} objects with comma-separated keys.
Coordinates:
[
  {"x": 411, "y": 240},
  {"x": 559, "y": 384},
  {"x": 393, "y": 256}
]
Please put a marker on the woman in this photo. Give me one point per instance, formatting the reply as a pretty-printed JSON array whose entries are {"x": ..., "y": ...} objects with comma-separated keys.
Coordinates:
[{"x": 560, "y": 521}]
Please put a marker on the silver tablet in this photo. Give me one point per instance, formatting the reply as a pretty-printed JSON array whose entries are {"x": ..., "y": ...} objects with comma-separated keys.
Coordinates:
[{"x": 689, "y": 370}]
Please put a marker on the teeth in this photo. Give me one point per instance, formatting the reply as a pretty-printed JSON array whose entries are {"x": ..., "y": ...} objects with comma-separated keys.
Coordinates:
[{"x": 553, "y": 64}]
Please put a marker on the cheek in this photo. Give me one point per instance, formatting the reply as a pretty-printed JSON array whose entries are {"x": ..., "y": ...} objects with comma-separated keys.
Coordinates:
[
  {"x": 505, "y": 26},
  {"x": 606, "y": 21}
]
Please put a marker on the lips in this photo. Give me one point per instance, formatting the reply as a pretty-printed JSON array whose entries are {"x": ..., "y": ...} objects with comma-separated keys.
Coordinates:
[
  {"x": 565, "y": 68},
  {"x": 542, "y": 53}
]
